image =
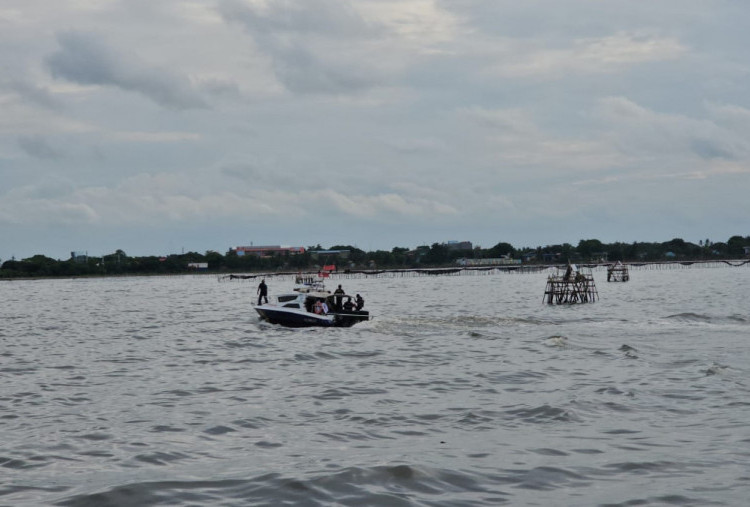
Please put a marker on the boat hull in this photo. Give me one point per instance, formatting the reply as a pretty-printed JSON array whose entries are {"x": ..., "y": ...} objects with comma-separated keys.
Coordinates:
[
  {"x": 348, "y": 319},
  {"x": 300, "y": 318}
]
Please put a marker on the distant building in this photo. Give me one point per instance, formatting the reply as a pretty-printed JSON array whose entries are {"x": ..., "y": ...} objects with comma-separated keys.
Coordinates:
[
  {"x": 344, "y": 254},
  {"x": 458, "y": 245},
  {"x": 198, "y": 265},
  {"x": 747, "y": 250},
  {"x": 499, "y": 261},
  {"x": 268, "y": 251},
  {"x": 81, "y": 257}
]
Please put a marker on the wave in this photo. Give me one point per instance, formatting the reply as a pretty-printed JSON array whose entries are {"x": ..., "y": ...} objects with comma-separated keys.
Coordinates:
[
  {"x": 418, "y": 325},
  {"x": 716, "y": 369},
  {"x": 345, "y": 392},
  {"x": 556, "y": 341},
  {"x": 383, "y": 485},
  {"x": 517, "y": 377},
  {"x": 392, "y": 486},
  {"x": 630, "y": 352},
  {"x": 318, "y": 356},
  {"x": 543, "y": 414},
  {"x": 691, "y": 317}
]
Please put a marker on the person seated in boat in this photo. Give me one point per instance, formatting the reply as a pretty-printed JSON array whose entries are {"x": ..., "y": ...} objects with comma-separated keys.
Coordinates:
[
  {"x": 349, "y": 304},
  {"x": 360, "y": 302},
  {"x": 318, "y": 307}
]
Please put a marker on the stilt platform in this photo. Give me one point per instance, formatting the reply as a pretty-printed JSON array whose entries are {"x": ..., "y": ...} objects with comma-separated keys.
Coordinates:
[
  {"x": 617, "y": 273},
  {"x": 577, "y": 288}
]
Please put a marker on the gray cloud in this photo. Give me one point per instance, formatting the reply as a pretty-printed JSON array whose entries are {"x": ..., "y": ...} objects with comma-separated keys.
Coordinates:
[
  {"x": 246, "y": 173},
  {"x": 304, "y": 72},
  {"x": 36, "y": 94},
  {"x": 315, "y": 45},
  {"x": 330, "y": 18},
  {"x": 87, "y": 59},
  {"x": 645, "y": 134},
  {"x": 708, "y": 148},
  {"x": 39, "y": 147}
]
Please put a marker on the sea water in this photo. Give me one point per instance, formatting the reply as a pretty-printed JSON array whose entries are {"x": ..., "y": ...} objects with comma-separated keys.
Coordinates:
[{"x": 462, "y": 390}]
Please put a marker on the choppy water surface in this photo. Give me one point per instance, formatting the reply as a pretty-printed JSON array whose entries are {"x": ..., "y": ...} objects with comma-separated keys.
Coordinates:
[{"x": 464, "y": 390}]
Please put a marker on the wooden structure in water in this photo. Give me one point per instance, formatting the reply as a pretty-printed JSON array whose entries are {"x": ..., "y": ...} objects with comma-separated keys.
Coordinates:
[
  {"x": 570, "y": 288},
  {"x": 617, "y": 272},
  {"x": 484, "y": 270}
]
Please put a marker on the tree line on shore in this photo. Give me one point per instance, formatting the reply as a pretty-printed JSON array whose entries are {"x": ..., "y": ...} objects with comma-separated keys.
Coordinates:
[{"x": 436, "y": 255}]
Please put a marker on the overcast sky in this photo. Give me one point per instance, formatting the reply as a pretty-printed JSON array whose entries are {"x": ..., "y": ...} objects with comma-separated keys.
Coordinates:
[{"x": 161, "y": 126}]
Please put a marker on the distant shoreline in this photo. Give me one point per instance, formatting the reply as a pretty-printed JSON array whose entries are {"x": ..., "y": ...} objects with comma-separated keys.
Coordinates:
[{"x": 426, "y": 271}]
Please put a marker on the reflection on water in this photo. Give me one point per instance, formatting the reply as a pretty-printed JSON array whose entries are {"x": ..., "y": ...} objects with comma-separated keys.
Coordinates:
[{"x": 461, "y": 391}]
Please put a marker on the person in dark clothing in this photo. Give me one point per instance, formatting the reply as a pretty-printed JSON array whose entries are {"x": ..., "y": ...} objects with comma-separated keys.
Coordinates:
[
  {"x": 339, "y": 297},
  {"x": 262, "y": 291},
  {"x": 360, "y": 302},
  {"x": 568, "y": 272}
]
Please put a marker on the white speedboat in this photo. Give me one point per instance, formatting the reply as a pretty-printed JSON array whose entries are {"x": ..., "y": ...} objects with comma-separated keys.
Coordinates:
[{"x": 310, "y": 304}]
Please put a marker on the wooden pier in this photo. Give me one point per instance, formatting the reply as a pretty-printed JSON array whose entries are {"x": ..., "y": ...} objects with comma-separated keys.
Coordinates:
[{"x": 484, "y": 270}]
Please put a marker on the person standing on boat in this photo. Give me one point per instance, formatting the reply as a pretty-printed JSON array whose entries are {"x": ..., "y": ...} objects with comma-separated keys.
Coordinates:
[
  {"x": 339, "y": 297},
  {"x": 360, "y": 302},
  {"x": 262, "y": 291}
]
